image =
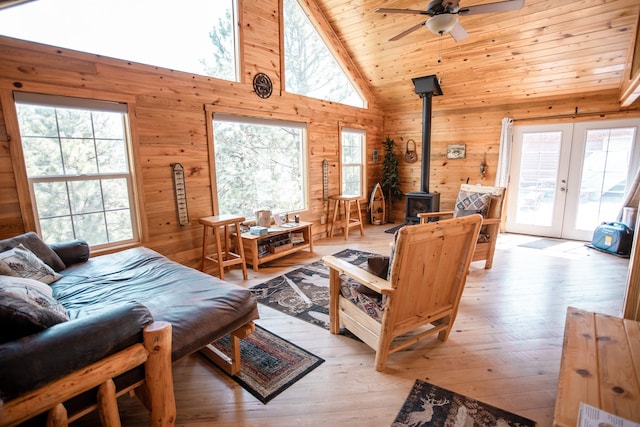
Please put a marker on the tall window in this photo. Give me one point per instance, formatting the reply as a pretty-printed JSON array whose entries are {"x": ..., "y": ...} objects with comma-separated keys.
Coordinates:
[
  {"x": 260, "y": 164},
  {"x": 309, "y": 66},
  {"x": 196, "y": 36},
  {"x": 352, "y": 161},
  {"x": 76, "y": 155}
]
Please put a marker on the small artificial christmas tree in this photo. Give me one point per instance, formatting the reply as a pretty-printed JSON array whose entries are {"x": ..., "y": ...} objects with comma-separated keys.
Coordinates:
[{"x": 390, "y": 176}]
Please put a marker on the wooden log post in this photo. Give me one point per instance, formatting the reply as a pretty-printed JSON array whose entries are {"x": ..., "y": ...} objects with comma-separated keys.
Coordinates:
[
  {"x": 108, "y": 405},
  {"x": 158, "y": 374},
  {"x": 57, "y": 416}
]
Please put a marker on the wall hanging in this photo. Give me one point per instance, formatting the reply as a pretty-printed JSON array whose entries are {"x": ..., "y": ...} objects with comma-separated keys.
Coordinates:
[
  {"x": 410, "y": 156},
  {"x": 181, "y": 193}
]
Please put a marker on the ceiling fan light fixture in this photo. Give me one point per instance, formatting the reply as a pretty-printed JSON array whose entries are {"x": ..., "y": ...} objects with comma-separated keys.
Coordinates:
[{"x": 443, "y": 23}]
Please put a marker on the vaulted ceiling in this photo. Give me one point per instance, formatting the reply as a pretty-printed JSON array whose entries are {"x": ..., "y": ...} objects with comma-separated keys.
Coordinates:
[{"x": 547, "y": 48}]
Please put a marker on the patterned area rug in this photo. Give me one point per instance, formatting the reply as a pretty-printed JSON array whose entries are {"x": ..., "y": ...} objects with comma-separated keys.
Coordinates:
[
  {"x": 269, "y": 364},
  {"x": 304, "y": 292},
  {"x": 432, "y": 406}
]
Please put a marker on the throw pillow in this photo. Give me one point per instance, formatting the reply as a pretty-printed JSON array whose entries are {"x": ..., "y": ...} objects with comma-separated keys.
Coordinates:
[
  {"x": 21, "y": 262},
  {"x": 469, "y": 203},
  {"x": 33, "y": 242},
  {"x": 20, "y": 319},
  {"x": 378, "y": 265},
  {"x": 36, "y": 298},
  {"x": 26, "y": 283}
]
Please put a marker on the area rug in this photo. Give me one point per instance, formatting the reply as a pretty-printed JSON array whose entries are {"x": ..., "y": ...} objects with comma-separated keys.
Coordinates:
[
  {"x": 269, "y": 364},
  {"x": 304, "y": 292},
  {"x": 431, "y": 406}
]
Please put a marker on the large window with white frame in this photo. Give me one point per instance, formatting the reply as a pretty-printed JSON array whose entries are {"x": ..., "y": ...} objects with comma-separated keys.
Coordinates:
[
  {"x": 352, "y": 157},
  {"x": 310, "y": 68},
  {"x": 195, "y": 36},
  {"x": 260, "y": 164},
  {"x": 76, "y": 154}
]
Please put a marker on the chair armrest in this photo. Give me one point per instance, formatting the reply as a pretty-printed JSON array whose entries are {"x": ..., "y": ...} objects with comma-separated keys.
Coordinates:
[
  {"x": 363, "y": 277},
  {"x": 434, "y": 214},
  {"x": 490, "y": 221},
  {"x": 38, "y": 359}
]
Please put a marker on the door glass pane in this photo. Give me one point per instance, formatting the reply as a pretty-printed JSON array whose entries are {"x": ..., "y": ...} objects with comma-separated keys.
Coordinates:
[
  {"x": 538, "y": 177},
  {"x": 604, "y": 175}
]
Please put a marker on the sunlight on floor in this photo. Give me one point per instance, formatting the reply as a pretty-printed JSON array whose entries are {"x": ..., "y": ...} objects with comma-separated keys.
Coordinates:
[{"x": 569, "y": 249}]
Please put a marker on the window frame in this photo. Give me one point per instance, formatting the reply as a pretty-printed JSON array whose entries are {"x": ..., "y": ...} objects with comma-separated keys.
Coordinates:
[
  {"x": 27, "y": 200},
  {"x": 337, "y": 52},
  {"x": 351, "y": 129},
  {"x": 253, "y": 120},
  {"x": 45, "y": 13}
]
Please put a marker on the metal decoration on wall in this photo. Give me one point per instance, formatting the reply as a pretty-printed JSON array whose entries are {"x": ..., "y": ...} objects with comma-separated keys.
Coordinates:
[
  {"x": 325, "y": 180},
  {"x": 181, "y": 193},
  {"x": 410, "y": 156},
  {"x": 262, "y": 85}
]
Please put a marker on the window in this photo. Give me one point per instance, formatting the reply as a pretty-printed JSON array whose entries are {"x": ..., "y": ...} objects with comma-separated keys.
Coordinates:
[
  {"x": 260, "y": 164},
  {"x": 196, "y": 36},
  {"x": 310, "y": 68},
  {"x": 352, "y": 161},
  {"x": 77, "y": 162}
]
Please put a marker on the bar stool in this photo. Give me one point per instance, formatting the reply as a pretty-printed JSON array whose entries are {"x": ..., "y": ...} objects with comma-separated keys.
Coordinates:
[
  {"x": 348, "y": 221},
  {"x": 223, "y": 256}
]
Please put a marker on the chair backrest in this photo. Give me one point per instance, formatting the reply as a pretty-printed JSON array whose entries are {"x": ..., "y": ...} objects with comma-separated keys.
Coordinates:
[
  {"x": 429, "y": 269},
  {"x": 497, "y": 197}
]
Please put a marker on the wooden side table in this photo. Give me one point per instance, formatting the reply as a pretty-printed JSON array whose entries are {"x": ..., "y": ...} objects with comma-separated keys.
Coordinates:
[
  {"x": 223, "y": 256},
  {"x": 600, "y": 366},
  {"x": 349, "y": 222}
]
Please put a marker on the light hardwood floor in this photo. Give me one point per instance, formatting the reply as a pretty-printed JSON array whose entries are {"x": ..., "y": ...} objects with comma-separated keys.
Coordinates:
[{"x": 505, "y": 348}]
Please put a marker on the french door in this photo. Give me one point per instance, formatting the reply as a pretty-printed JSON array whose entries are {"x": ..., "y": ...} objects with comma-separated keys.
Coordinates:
[{"x": 568, "y": 178}]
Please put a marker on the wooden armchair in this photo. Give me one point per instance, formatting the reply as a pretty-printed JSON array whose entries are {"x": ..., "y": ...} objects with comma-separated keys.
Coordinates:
[
  {"x": 481, "y": 199},
  {"x": 426, "y": 277}
]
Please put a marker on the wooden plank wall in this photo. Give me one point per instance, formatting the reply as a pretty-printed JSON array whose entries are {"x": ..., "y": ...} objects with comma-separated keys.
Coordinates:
[
  {"x": 169, "y": 124},
  {"x": 479, "y": 129}
]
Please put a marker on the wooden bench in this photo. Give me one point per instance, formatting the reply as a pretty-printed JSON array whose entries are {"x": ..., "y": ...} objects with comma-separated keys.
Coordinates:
[{"x": 600, "y": 366}]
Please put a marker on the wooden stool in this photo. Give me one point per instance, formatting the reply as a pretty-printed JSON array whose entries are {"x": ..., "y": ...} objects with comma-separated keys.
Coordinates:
[
  {"x": 348, "y": 221},
  {"x": 223, "y": 256}
]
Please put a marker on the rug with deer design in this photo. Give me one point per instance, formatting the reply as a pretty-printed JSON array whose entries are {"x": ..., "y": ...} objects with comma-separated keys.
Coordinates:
[{"x": 431, "y": 406}]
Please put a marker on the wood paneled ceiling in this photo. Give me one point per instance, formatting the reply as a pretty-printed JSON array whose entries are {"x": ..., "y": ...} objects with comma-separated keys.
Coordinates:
[{"x": 547, "y": 48}]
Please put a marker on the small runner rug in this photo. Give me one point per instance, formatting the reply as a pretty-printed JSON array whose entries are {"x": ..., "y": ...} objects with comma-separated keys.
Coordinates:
[
  {"x": 432, "y": 406},
  {"x": 269, "y": 364},
  {"x": 304, "y": 292}
]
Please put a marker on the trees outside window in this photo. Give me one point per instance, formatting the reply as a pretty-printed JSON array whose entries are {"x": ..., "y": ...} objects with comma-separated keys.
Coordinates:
[
  {"x": 260, "y": 164},
  {"x": 174, "y": 35},
  {"x": 352, "y": 161},
  {"x": 76, "y": 158},
  {"x": 310, "y": 68}
]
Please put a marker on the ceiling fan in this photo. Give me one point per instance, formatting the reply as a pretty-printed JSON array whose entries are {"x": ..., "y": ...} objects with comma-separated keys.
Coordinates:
[{"x": 444, "y": 16}]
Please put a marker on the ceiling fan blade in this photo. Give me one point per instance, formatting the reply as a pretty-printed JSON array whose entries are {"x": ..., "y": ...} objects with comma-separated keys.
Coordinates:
[
  {"x": 411, "y": 11},
  {"x": 458, "y": 32},
  {"x": 501, "y": 6},
  {"x": 409, "y": 31}
]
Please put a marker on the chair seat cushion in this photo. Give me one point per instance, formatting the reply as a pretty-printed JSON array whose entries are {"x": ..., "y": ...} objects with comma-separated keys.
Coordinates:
[{"x": 366, "y": 299}]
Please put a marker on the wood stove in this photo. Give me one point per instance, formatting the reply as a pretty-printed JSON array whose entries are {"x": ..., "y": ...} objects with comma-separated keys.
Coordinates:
[{"x": 423, "y": 201}]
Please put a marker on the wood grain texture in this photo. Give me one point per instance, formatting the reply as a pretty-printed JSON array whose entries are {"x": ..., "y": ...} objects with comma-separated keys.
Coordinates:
[
  {"x": 547, "y": 59},
  {"x": 504, "y": 348}
]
